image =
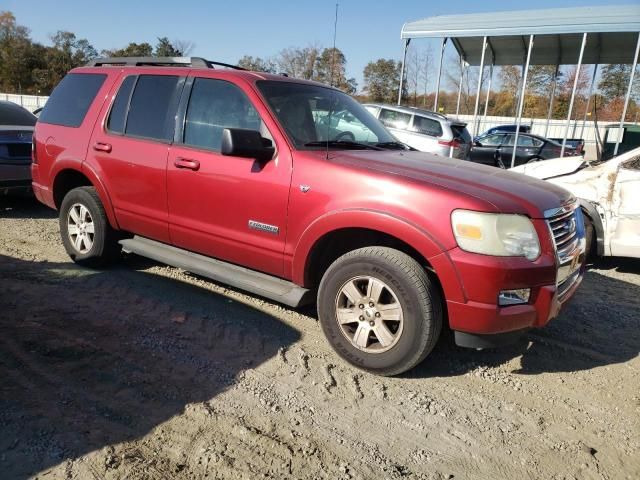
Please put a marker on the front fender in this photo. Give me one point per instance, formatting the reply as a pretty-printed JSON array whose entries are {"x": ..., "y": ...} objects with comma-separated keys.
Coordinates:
[{"x": 412, "y": 234}]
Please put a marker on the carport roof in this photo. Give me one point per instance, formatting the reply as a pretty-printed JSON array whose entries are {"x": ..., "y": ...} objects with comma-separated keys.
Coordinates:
[{"x": 613, "y": 33}]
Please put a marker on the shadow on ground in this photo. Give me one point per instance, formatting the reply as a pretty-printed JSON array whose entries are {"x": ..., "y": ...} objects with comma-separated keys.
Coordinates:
[
  {"x": 600, "y": 326},
  {"x": 90, "y": 359},
  {"x": 24, "y": 206}
]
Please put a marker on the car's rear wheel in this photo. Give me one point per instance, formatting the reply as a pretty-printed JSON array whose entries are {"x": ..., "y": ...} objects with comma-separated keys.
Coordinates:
[
  {"x": 534, "y": 159},
  {"x": 380, "y": 310},
  {"x": 86, "y": 234}
]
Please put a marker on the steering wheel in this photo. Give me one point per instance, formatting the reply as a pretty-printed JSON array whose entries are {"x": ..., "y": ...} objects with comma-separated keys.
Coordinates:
[{"x": 342, "y": 136}]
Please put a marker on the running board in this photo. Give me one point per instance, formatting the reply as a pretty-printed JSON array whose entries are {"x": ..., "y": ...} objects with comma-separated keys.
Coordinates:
[{"x": 267, "y": 286}]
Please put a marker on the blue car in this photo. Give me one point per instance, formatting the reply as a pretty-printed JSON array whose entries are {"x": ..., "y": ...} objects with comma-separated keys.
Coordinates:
[{"x": 16, "y": 131}]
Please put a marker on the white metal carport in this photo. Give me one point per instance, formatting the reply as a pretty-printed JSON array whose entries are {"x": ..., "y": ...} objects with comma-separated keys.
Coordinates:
[{"x": 562, "y": 36}]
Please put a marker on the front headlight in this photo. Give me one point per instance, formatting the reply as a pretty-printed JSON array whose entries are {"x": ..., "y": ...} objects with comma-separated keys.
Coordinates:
[{"x": 503, "y": 235}]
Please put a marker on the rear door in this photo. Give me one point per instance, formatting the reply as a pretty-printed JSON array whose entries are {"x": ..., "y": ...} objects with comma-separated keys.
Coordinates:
[
  {"x": 625, "y": 211},
  {"x": 428, "y": 133},
  {"x": 130, "y": 150},
  {"x": 227, "y": 207},
  {"x": 528, "y": 148}
]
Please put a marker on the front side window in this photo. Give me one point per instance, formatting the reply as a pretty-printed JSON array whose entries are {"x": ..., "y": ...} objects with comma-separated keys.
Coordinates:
[
  {"x": 427, "y": 126},
  {"x": 393, "y": 119},
  {"x": 71, "y": 99},
  {"x": 153, "y": 106},
  {"x": 213, "y": 106},
  {"x": 313, "y": 115}
]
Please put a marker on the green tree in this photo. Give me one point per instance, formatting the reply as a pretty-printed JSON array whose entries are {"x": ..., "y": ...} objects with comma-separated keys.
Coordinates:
[
  {"x": 132, "y": 50},
  {"x": 614, "y": 81},
  {"x": 381, "y": 80},
  {"x": 164, "y": 48},
  {"x": 330, "y": 68},
  {"x": 19, "y": 56},
  {"x": 257, "y": 64}
]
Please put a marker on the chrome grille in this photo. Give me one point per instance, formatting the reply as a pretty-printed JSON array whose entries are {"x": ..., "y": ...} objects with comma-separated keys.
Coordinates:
[{"x": 566, "y": 226}]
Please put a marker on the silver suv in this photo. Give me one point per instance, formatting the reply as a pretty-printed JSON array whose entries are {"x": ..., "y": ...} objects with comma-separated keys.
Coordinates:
[{"x": 425, "y": 130}]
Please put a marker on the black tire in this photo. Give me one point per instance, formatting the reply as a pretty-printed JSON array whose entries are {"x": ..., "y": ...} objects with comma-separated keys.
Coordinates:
[
  {"x": 418, "y": 296},
  {"x": 105, "y": 248},
  {"x": 590, "y": 237}
]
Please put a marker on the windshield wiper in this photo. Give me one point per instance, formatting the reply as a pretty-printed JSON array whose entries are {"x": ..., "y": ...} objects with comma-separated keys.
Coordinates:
[
  {"x": 343, "y": 144},
  {"x": 393, "y": 145}
]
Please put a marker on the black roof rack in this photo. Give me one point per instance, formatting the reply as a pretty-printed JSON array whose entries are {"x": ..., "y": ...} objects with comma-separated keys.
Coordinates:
[{"x": 159, "y": 62}]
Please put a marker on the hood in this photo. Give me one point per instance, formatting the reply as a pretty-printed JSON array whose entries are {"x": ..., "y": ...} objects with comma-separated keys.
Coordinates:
[
  {"x": 504, "y": 191},
  {"x": 554, "y": 167}
]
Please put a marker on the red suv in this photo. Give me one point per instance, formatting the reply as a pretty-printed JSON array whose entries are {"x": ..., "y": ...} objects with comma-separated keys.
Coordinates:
[{"x": 247, "y": 178}]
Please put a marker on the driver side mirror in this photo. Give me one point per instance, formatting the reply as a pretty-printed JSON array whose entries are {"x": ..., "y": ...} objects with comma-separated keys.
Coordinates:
[
  {"x": 476, "y": 143},
  {"x": 238, "y": 142}
]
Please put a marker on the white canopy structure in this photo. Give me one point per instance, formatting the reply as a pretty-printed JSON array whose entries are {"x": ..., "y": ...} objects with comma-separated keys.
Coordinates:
[{"x": 560, "y": 36}]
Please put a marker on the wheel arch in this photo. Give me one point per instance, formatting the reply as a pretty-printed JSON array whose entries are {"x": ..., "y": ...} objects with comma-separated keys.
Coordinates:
[
  {"x": 589, "y": 209},
  {"x": 68, "y": 178},
  {"x": 336, "y": 233}
]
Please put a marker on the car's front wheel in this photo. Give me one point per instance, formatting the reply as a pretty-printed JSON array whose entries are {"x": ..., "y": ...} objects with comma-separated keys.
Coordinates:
[
  {"x": 86, "y": 234},
  {"x": 380, "y": 310}
]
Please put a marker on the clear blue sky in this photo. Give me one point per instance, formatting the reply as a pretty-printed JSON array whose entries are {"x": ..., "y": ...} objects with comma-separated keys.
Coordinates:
[{"x": 227, "y": 30}]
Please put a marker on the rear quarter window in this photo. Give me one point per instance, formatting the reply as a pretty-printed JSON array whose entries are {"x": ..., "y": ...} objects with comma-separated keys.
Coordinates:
[
  {"x": 427, "y": 126},
  {"x": 71, "y": 99}
]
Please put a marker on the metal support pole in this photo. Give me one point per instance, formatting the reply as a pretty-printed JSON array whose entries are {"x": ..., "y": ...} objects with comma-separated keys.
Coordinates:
[
  {"x": 404, "y": 59},
  {"x": 525, "y": 73},
  {"x": 462, "y": 69},
  {"x": 553, "y": 94},
  {"x": 486, "y": 102},
  {"x": 475, "y": 110},
  {"x": 586, "y": 110},
  {"x": 626, "y": 99},
  {"x": 435, "y": 101},
  {"x": 573, "y": 94}
]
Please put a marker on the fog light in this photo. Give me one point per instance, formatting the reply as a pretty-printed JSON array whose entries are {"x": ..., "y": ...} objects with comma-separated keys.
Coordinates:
[{"x": 514, "y": 297}]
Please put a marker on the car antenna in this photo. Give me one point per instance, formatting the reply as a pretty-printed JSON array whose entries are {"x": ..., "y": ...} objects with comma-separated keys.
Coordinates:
[{"x": 333, "y": 56}]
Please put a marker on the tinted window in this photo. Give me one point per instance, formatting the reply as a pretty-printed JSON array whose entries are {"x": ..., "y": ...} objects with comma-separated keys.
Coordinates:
[
  {"x": 118, "y": 114},
  {"x": 427, "y": 126},
  {"x": 524, "y": 141},
  {"x": 153, "y": 107},
  {"x": 213, "y": 106},
  {"x": 461, "y": 133},
  {"x": 393, "y": 119},
  {"x": 491, "y": 140},
  {"x": 71, "y": 99},
  {"x": 12, "y": 114}
]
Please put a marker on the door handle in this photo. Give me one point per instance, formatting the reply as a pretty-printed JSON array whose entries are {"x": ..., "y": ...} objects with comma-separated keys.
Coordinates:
[
  {"x": 102, "y": 147},
  {"x": 187, "y": 163}
]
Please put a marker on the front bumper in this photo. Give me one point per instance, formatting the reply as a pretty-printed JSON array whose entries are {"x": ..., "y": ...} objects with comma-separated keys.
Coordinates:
[{"x": 478, "y": 280}]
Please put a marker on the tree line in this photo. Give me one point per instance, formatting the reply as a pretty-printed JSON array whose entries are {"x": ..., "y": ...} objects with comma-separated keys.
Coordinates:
[{"x": 29, "y": 67}]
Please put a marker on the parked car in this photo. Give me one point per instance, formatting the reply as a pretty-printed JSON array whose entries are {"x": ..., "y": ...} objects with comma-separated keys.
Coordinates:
[
  {"x": 576, "y": 145},
  {"x": 506, "y": 129},
  {"x": 222, "y": 173},
  {"x": 424, "y": 130},
  {"x": 16, "y": 132},
  {"x": 496, "y": 149},
  {"x": 609, "y": 193},
  {"x": 37, "y": 111}
]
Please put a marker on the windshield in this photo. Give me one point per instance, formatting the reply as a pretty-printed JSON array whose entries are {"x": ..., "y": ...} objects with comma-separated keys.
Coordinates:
[{"x": 312, "y": 115}]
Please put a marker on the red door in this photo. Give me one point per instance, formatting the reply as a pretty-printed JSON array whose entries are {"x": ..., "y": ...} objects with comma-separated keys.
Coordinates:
[
  {"x": 130, "y": 151},
  {"x": 226, "y": 207}
]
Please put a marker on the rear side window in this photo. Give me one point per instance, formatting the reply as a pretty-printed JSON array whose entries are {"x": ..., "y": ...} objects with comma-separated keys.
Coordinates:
[
  {"x": 427, "y": 126},
  {"x": 461, "y": 133},
  {"x": 153, "y": 107},
  {"x": 71, "y": 99},
  {"x": 393, "y": 119},
  {"x": 120, "y": 108},
  {"x": 12, "y": 114}
]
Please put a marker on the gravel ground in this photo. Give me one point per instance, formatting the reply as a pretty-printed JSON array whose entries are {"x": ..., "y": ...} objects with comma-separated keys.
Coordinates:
[{"x": 145, "y": 371}]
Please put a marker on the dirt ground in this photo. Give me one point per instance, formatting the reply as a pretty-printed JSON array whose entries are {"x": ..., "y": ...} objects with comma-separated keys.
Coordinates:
[{"x": 145, "y": 371}]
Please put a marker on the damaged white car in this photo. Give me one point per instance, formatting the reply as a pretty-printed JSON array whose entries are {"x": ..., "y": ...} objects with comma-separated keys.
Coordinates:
[{"x": 609, "y": 194}]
